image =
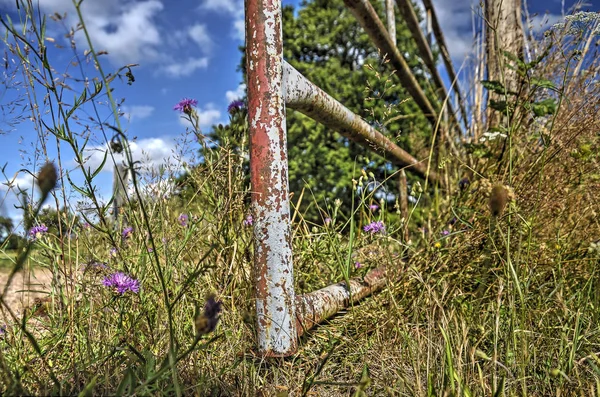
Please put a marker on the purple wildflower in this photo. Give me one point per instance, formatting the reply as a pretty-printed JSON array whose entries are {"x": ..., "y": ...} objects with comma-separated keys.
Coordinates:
[
  {"x": 122, "y": 283},
  {"x": 185, "y": 105},
  {"x": 373, "y": 207},
  {"x": 375, "y": 227},
  {"x": 327, "y": 221},
  {"x": 248, "y": 221},
  {"x": 150, "y": 250},
  {"x": 38, "y": 231},
  {"x": 183, "y": 220},
  {"x": 113, "y": 252},
  {"x": 127, "y": 232},
  {"x": 235, "y": 105},
  {"x": 357, "y": 265},
  {"x": 445, "y": 232}
]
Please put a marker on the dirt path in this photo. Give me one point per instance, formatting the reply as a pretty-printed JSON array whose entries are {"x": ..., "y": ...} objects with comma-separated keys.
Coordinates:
[{"x": 25, "y": 287}]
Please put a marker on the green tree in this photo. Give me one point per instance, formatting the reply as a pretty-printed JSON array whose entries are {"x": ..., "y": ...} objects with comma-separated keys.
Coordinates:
[
  {"x": 6, "y": 227},
  {"x": 328, "y": 46}
]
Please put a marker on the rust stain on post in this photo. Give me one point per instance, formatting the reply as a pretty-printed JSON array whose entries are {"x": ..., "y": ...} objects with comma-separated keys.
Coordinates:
[
  {"x": 317, "y": 306},
  {"x": 304, "y": 96},
  {"x": 274, "y": 286}
]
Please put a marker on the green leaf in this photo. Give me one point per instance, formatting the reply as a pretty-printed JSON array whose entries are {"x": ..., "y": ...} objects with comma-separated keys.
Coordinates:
[
  {"x": 127, "y": 383},
  {"x": 543, "y": 83},
  {"x": 88, "y": 390},
  {"x": 101, "y": 166},
  {"x": 497, "y": 87},
  {"x": 518, "y": 61},
  {"x": 544, "y": 108}
]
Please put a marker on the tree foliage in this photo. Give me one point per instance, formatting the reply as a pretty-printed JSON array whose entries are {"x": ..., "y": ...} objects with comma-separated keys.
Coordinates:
[{"x": 327, "y": 45}]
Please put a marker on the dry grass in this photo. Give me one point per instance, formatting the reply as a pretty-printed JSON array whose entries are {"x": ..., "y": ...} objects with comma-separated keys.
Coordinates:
[{"x": 477, "y": 305}]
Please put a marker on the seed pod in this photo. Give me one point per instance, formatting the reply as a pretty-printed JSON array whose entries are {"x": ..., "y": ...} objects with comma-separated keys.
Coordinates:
[
  {"x": 47, "y": 178},
  {"x": 498, "y": 200}
]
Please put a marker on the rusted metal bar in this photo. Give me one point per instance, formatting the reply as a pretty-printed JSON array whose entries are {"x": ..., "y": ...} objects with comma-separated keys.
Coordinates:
[
  {"x": 439, "y": 37},
  {"x": 390, "y": 18},
  {"x": 274, "y": 280},
  {"x": 317, "y": 306},
  {"x": 369, "y": 20},
  {"x": 403, "y": 201},
  {"x": 304, "y": 96},
  {"x": 121, "y": 180},
  {"x": 412, "y": 22}
]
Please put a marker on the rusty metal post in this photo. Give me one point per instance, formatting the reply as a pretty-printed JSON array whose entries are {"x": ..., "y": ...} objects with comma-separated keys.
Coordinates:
[
  {"x": 390, "y": 19},
  {"x": 317, "y": 306},
  {"x": 403, "y": 201},
  {"x": 367, "y": 17},
  {"x": 274, "y": 280},
  {"x": 121, "y": 180},
  {"x": 304, "y": 96}
]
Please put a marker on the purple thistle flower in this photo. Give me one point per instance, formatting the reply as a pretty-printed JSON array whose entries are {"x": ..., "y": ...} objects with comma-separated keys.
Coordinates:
[
  {"x": 375, "y": 227},
  {"x": 373, "y": 207},
  {"x": 183, "y": 220},
  {"x": 185, "y": 105},
  {"x": 122, "y": 283},
  {"x": 235, "y": 105},
  {"x": 248, "y": 221},
  {"x": 38, "y": 231},
  {"x": 127, "y": 232}
]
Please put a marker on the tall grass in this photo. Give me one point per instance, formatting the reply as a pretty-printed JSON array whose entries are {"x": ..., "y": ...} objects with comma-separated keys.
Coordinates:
[{"x": 476, "y": 304}]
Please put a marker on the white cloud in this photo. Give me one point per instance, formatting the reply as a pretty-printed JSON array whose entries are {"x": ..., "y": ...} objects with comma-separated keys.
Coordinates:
[
  {"x": 233, "y": 8},
  {"x": 237, "y": 94},
  {"x": 208, "y": 116},
  {"x": 131, "y": 32},
  {"x": 138, "y": 112},
  {"x": 239, "y": 26},
  {"x": 127, "y": 30},
  {"x": 199, "y": 34},
  {"x": 24, "y": 181},
  {"x": 539, "y": 23},
  {"x": 185, "y": 68},
  {"x": 455, "y": 19},
  {"x": 152, "y": 152},
  {"x": 225, "y": 6}
]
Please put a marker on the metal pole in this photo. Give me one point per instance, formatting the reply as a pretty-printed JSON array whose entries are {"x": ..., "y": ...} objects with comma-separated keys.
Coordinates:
[
  {"x": 274, "y": 280},
  {"x": 367, "y": 17},
  {"x": 121, "y": 178},
  {"x": 317, "y": 306},
  {"x": 304, "y": 96},
  {"x": 390, "y": 19}
]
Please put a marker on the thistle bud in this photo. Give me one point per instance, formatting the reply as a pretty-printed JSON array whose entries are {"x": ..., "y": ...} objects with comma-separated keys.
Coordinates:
[
  {"x": 206, "y": 322},
  {"x": 47, "y": 178},
  {"x": 498, "y": 200}
]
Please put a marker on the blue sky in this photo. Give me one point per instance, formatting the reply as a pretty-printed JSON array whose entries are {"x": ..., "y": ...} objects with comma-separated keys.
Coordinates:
[{"x": 184, "y": 49}]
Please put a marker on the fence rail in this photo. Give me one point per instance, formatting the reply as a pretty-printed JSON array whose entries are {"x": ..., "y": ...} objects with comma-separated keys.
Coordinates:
[{"x": 273, "y": 83}]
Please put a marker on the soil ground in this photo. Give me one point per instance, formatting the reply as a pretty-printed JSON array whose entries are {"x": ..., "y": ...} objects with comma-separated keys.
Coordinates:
[{"x": 26, "y": 286}]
